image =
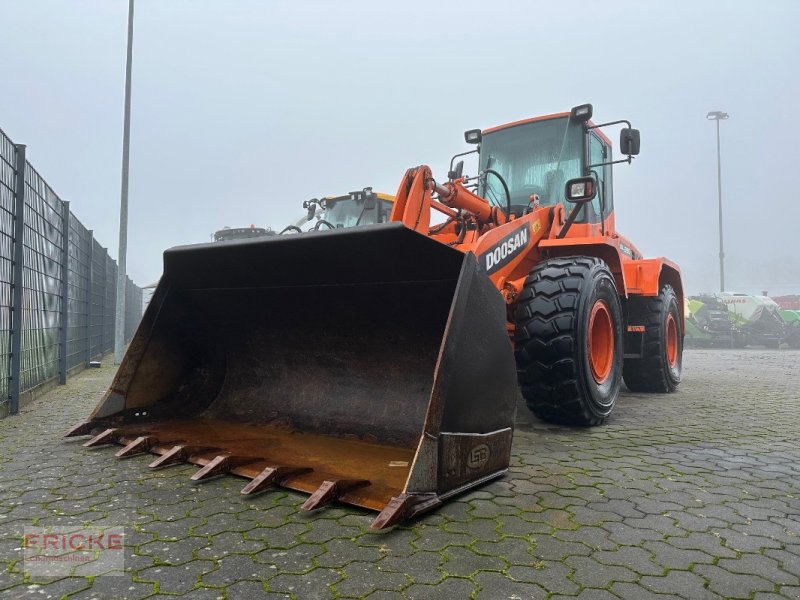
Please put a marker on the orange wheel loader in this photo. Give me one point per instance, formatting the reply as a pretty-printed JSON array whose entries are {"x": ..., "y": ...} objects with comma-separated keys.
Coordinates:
[{"x": 380, "y": 365}]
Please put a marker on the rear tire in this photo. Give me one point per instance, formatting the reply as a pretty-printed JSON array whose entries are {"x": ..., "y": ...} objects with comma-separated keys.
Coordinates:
[
  {"x": 659, "y": 369},
  {"x": 568, "y": 341}
]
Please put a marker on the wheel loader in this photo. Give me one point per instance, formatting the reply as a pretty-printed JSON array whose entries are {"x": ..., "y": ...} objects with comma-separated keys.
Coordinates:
[
  {"x": 355, "y": 209},
  {"x": 380, "y": 365}
]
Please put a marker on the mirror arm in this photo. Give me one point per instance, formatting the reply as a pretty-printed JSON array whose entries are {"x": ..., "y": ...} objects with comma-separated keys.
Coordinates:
[
  {"x": 570, "y": 219},
  {"x": 452, "y": 160},
  {"x": 628, "y": 160},
  {"x": 628, "y": 123}
]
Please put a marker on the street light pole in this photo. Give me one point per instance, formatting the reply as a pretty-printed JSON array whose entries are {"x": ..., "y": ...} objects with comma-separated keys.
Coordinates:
[
  {"x": 718, "y": 116},
  {"x": 119, "y": 323}
]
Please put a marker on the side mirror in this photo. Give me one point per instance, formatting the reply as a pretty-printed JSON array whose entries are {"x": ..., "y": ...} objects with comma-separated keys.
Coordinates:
[
  {"x": 629, "y": 141},
  {"x": 311, "y": 206},
  {"x": 367, "y": 195},
  {"x": 580, "y": 189},
  {"x": 457, "y": 172},
  {"x": 473, "y": 136}
]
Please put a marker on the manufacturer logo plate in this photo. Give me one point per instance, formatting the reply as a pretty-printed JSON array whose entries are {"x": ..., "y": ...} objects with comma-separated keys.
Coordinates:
[{"x": 478, "y": 456}]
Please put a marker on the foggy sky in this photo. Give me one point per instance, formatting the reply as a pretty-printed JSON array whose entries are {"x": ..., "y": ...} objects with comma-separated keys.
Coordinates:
[{"x": 242, "y": 109}]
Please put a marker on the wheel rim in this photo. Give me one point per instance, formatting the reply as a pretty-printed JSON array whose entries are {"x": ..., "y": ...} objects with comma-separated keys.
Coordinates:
[
  {"x": 601, "y": 342},
  {"x": 672, "y": 341}
]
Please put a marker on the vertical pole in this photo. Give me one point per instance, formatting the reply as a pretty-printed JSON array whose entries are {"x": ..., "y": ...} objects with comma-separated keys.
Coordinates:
[
  {"x": 719, "y": 190},
  {"x": 17, "y": 291},
  {"x": 89, "y": 299},
  {"x": 62, "y": 344},
  {"x": 119, "y": 323}
]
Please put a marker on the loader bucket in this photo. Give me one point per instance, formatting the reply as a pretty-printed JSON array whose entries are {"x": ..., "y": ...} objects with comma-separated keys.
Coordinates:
[{"x": 369, "y": 365}]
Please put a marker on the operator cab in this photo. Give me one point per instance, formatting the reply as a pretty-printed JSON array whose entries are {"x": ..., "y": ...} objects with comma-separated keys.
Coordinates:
[
  {"x": 357, "y": 208},
  {"x": 537, "y": 157}
]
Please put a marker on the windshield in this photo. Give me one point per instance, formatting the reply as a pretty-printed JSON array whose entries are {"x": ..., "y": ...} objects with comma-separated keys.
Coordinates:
[
  {"x": 533, "y": 158},
  {"x": 349, "y": 212}
]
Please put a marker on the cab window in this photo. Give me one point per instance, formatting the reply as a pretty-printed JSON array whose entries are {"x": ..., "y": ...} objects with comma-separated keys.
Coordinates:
[{"x": 599, "y": 152}]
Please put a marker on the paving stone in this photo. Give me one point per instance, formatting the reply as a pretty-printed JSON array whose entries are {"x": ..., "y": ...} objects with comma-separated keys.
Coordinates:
[
  {"x": 178, "y": 579},
  {"x": 314, "y": 584},
  {"x": 396, "y": 542},
  {"x": 595, "y": 538},
  {"x": 497, "y": 585},
  {"x": 776, "y": 596},
  {"x": 704, "y": 542},
  {"x": 449, "y": 589},
  {"x": 284, "y": 536},
  {"x": 682, "y": 584},
  {"x": 731, "y": 585},
  {"x": 551, "y": 548},
  {"x": 245, "y": 590},
  {"x": 742, "y": 542},
  {"x": 789, "y": 562},
  {"x": 119, "y": 588},
  {"x": 634, "y": 591},
  {"x": 634, "y": 558},
  {"x": 323, "y": 530},
  {"x": 463, "y": 562},
  {"x": 481, "y": 529},
  {"x": 588, "y": 594},
  {"x": 341, "y": 552},
  {"x": 236, "y": 567},
  {"x": 297, "y": 559},
  {"x": 790, "y": 591},
  {"x": 439, "y": 539},
  {"x": 550, "y": 575},
  {"x": 590, "y": 573},
  {"x": 756, "y": 564},
  {"x": 362, "y": 578},
  {"x": 173, "y": 552},
  {"x": 422, "y": 567},
  {"x": 384, "y": 595},
  {"x": 670, "y": 557}
]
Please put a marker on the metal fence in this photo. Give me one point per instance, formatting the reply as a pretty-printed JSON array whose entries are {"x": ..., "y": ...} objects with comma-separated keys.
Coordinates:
[{"x": 57, "y": 284}]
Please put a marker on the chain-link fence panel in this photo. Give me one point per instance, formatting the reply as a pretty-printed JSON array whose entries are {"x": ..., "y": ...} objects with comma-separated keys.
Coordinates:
[
  {"x": 41, "y": 318},
  {"x": 97, "y": 296},
  {"x": 8, "y": 154},
  {"x": 109, "y": 314},
  {"x": 78, "y": 291},
  {"x": 57, "y": 284}
]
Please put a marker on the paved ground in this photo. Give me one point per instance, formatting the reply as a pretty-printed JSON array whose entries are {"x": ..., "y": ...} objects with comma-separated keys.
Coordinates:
[{"x": 693, "y": 495}]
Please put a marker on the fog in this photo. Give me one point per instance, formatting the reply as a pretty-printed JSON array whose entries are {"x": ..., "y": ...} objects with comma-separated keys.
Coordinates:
[{"x": 243, "y": 109}]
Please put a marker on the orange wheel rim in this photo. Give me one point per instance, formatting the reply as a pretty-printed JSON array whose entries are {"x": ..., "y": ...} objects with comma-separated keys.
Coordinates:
[
  {"x": 601, "y": 342},
  {"x": 672, "y": 341}
]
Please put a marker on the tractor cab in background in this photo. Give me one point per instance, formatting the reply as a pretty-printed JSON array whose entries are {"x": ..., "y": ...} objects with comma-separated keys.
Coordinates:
[
  {"x": 358, "y": 208},
  {"x": 351, "y": 210}
]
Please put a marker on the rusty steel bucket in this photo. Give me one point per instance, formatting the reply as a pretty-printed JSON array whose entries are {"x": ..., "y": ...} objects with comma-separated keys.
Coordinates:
[{"x": 368, "y": 365}]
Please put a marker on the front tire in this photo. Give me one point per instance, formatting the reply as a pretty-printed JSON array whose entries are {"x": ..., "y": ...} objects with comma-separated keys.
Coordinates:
[
  {"x": 659, "y": 368},
  {"x": 568, "y": 341}
]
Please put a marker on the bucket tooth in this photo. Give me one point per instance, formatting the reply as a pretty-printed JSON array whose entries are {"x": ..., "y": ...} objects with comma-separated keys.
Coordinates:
[
  {"x": 221, "y": 464},
  {"x": 329, "y": 491},
  {"x": 84, "y": 428},
  {"x": 272, "y": 476},
  {"x": 404, "y": 507},
  {"x": 109, "y": 436},
  {"x": 140, "y": 445},
  {"x": 179, "y": 453}
]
